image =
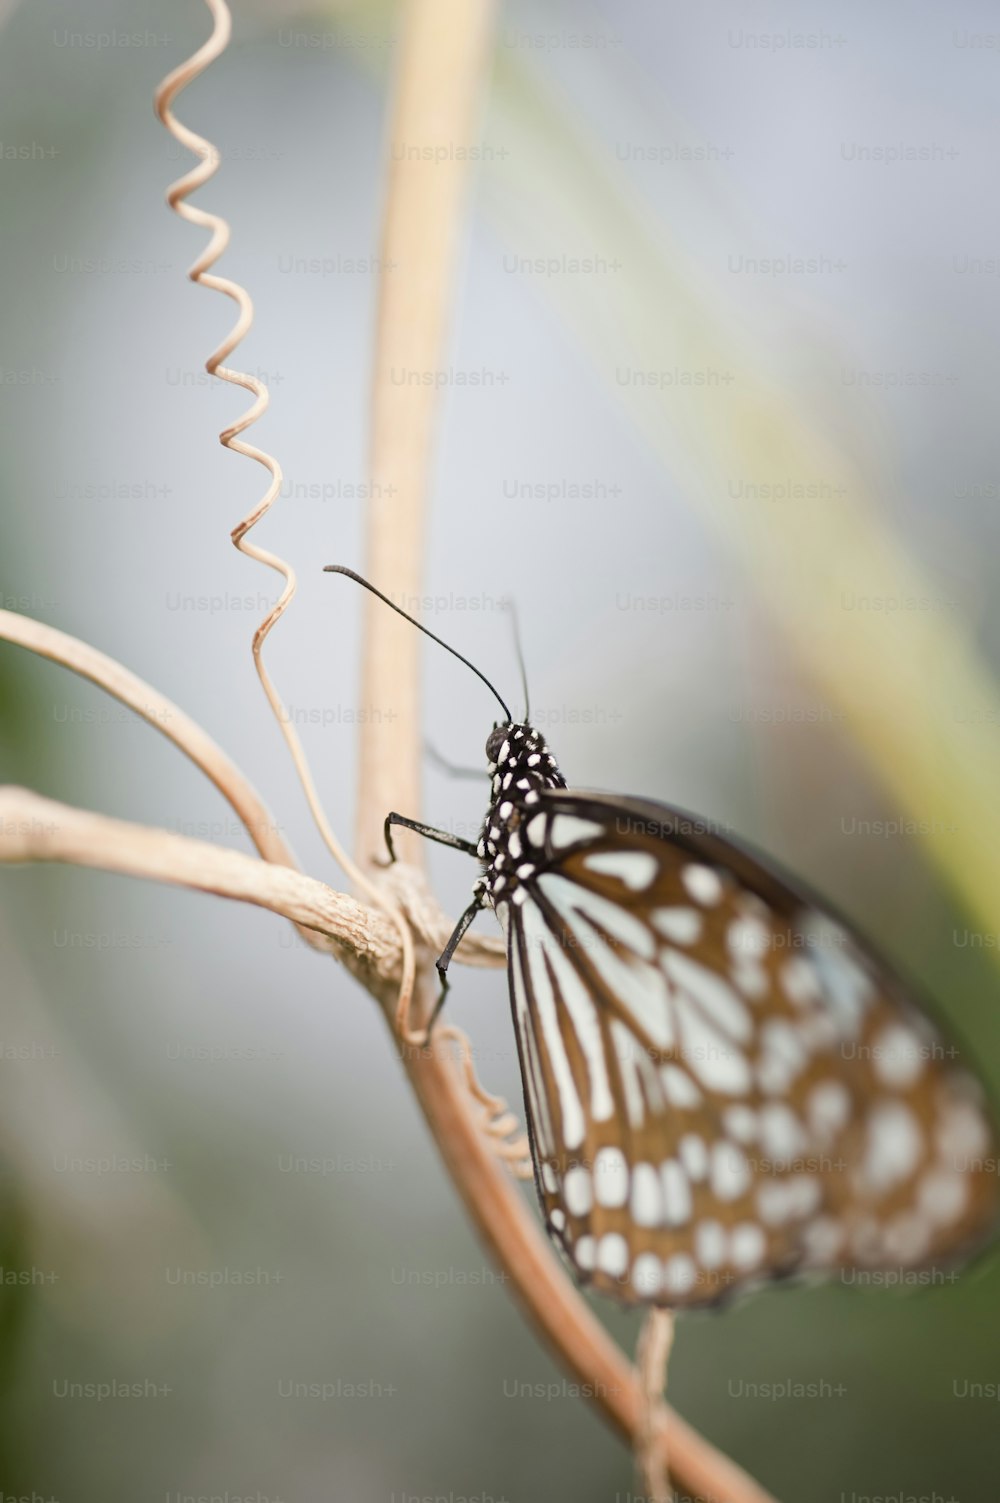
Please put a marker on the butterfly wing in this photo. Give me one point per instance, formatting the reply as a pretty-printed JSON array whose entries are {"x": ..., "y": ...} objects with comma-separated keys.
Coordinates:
[{"x": 723, "y": 1084}]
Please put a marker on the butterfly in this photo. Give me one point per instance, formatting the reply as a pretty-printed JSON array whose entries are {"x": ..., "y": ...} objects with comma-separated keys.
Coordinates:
[{"x": 724, "y": 1085}]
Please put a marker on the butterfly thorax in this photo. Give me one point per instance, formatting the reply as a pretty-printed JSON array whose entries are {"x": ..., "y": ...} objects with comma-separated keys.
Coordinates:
[{"x": 522, "y": 767}]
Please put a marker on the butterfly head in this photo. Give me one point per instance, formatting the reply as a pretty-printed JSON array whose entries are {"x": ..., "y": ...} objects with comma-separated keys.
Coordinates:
[
  {"x": 513, "y": 742},
  {"x": 519, "y": 760},
  {"x": 497, "y": 737}
]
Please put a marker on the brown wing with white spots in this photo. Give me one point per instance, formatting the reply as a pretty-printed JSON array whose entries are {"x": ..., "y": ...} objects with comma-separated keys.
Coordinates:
[{"x": 723, "y": 1085}]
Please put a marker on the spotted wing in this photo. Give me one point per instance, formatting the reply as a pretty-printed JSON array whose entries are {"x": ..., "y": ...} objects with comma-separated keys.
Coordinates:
[{"x": 723, "y": 1084}]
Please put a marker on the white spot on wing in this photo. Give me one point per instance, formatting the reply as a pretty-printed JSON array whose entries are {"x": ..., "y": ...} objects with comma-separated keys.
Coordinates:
[
  {"x": 800, "y": 981},
  {"x": 704, "y": 885},
  {"x": 637, "y": 869},
  {"x": 893, "y": 1148},
  {"x": 573, "y": 1125},
  {"x": 647, "y": 1201},
  {"x": 612, "y": 1254},
  {"x": 533, "y": 1078},
  {"x": 847, "y": 987},
  {"x": 783, "y": 1200},
  {"x": 678, "y": 1087},
  {"x": 629, "y": 1072},
  {"x": 943, "y": 1195},
  {"x": 535, "y": 830},
  {"x": 747, "y": 1245},
  {"x": 679, "y": 1274},
  {"x": 713, "y": 995},
  {"x": 898, "y": 1056},
  {"x": 680, "y": 925},
  {"x": 710, "y": 1244},
  {"x": 579, "y": 1005},
  {"x": 610, "y": 1177},
  {"x": 781, "y": 1133},
  {"x": 730, "y": 1173},
  {"x": 714, "y": 1059},
  {"x": 567, "y": 829},
  {"x": 747, "y": 937},
  {"x": 569, "y": 898},
  {"x": 694, "y": 1155},
  {"x": 638, "y": 985},
  {"x": 647, "y": 1275},
  {"x": 782, "y": 1056},
  {"x": 676, "y": 1193},
  {"x": 751, "y": 978},
  {"x": 583, "y": 1253},
  {"x": 577, "y": 1190},
  {"x": 740, "y": 1122},
  {"x": 829, "y": 1108}
]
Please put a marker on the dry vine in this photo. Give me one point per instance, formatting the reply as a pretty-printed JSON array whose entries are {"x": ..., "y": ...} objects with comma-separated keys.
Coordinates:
[{"x": 443, "y": 65}]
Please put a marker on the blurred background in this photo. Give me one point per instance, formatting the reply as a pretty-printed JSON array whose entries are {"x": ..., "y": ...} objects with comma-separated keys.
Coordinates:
[{"x": 216, "y": 1188}]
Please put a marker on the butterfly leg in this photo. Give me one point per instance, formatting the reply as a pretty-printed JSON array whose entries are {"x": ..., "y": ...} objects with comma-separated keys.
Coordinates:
[
  {"x": 441, "y": 836},
  {"x": 444, "y": 959}
]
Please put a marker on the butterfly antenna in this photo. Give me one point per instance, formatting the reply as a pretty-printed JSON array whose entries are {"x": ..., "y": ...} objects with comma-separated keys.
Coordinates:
[
  {"x": 520, "y": 659},
  {"x": 342, "y": 569}
]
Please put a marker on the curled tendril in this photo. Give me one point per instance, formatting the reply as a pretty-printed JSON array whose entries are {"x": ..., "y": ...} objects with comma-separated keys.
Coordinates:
[{"x": 201, "y": 272}]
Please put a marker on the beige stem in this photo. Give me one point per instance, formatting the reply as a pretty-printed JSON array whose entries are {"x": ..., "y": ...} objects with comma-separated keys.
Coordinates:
[
  {"x": 33, "y": 828},
  {"x": 652, "y": 1356},
  {"x": 438, "y": 94},
  {"x": 160, "y": 712}
]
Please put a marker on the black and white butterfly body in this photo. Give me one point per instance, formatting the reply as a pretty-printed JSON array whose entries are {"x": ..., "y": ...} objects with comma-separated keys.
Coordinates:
[
  {"x": 522, "y": 769},
  {"x": 723, "y": 1085}
]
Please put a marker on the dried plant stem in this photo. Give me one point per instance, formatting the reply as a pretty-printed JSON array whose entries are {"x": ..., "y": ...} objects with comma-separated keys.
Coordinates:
[
  {"x": 201, "y": 272},
  {"x": 652, "y": 1356},
  {"x": 440, "y": 81},
  {"x": 161, "y": 713},
  {"x": 33, "y": 828},
  {"x": 445, "y": 51}
]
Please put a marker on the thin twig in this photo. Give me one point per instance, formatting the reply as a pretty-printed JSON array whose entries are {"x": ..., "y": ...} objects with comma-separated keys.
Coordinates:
[
  {"x": 33, "y": 828},
  {"x": 200, "y": 272},
  {"x": 163, "y": 715},
  {"x": 423, "y": 912},
  {"x": 651, "y": 1358}
]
